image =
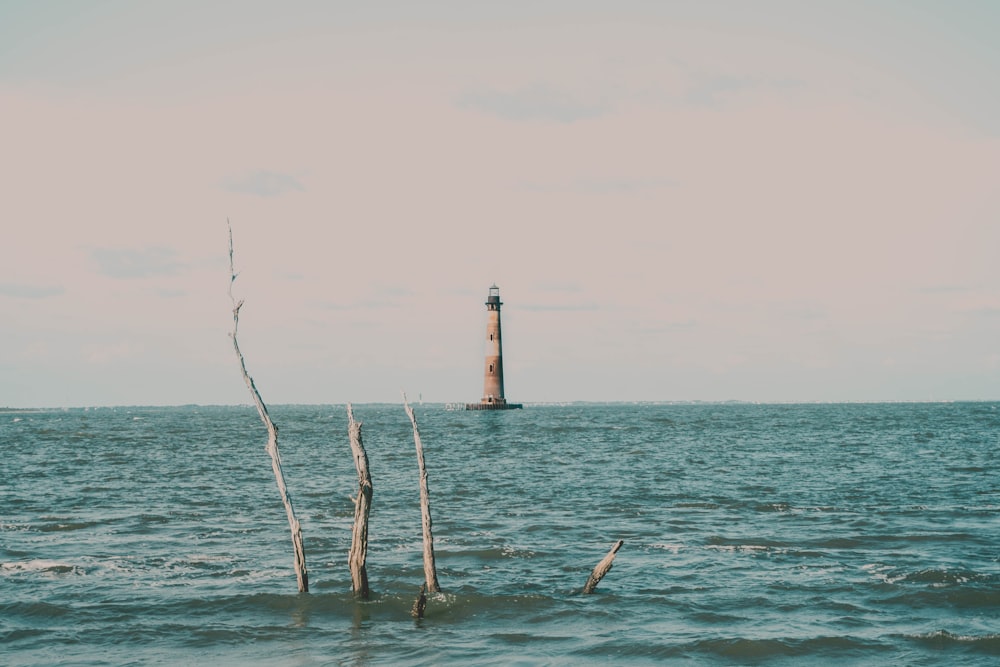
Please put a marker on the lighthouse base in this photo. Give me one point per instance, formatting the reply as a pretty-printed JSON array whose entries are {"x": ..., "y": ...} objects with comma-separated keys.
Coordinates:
[{"x": 493, "y": 405}]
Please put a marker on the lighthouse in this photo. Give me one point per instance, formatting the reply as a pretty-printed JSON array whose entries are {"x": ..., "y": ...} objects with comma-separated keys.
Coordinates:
[{"x": 493, "y": 398}]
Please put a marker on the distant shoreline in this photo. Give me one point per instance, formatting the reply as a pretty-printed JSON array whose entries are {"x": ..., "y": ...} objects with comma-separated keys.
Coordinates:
[{"x": 527, "y": 404}]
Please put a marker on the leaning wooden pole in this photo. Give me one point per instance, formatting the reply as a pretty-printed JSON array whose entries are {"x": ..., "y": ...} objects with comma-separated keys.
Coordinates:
[
  {"x": 272, "y": 435},
  {"x": 430, "y": 571},
  {"x": 362, "y": 506},
  {"x": 602, "y": 568}
]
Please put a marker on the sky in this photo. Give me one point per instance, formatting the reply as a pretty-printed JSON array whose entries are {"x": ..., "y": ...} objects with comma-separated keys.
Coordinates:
[{"x": 757, "y": 201}]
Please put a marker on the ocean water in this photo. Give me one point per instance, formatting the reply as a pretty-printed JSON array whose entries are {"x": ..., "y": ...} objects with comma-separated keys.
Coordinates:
[{"x": 859, "y": 534}]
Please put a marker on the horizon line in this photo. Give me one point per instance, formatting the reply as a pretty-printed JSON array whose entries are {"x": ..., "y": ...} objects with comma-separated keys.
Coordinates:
[{"x": 568, "y": 403}]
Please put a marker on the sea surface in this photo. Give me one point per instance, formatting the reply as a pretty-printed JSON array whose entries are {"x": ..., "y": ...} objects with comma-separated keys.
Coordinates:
[{"x": 801, "y": 534}]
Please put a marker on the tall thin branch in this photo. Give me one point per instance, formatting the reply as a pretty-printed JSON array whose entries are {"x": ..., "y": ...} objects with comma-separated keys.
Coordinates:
[
  {"x": 362, "y": 506},
  {"x": 430, "y": 570},
  {"x": 272, "y": 434}
]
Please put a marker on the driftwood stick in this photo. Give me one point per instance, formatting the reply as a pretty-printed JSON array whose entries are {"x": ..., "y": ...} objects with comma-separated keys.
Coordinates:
[
  {"x": 420, "y": 604},
  {"x": 362, "y": 506},
  {"x": 430, "y": 571},
  {"x": 602, "y": 568},
  {"x": 272, "y": 435}
]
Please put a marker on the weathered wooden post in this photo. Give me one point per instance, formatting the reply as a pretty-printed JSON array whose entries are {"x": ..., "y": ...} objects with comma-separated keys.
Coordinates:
[
  {"x": 362, "y": 506},
  {"x": 430, "y": 571},
  {"x": 272, "y": 435},
  {"x": 417, "y": 611},
  {"x": 602, "y": 568}
]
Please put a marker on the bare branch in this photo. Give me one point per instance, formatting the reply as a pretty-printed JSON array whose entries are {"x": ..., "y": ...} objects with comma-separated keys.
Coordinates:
[
  {"x": 602, "y": 568},
  {"x": 272, "y": 435},
  {"x": 430, "y": 570}
]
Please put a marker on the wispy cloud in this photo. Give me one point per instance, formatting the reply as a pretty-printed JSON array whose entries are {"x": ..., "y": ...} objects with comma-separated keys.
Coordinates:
[
  {"x": 801, "y": 312},
  {"x": 393, "y": 291},
  {"x": 943, "y": 289},
  {"x": 599, "y": 186},
  {"x": 381, "y": 297},
  {"x": 988, "y": 312},
  {"x": 712, "y": 90},
  {"x": 666, "y": 327},
  {"x": 263, "y": 183},
  {"x": 560, "y": 307},
  {"x": 554, "y": 286},
  {"x": 533, "y": 103},
  {"x": 30, "y": 291},
  {"x": 716, "y": 90},
  {"x": 127, "y": 263},
  {"x": 367, "y": 304},
  {"x": 170, "y": 293},
  {"x": 106, "y": 353}
]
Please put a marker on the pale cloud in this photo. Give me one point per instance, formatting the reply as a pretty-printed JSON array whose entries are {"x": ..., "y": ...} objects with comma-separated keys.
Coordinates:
[
  {"x": 393, "y": 291},
  {"x": 366, "y": 304},
  {"x": 721, "y": 90},
  {"x": 986, "y": 312},
  {"x": 600, "y": 186},
  {"x": 130, "y": 263},
  {"x": 30, "y": 291},
  {"x": 39, "y": 351},
  {"x": 712, "y": 91},
  {"x": 382, "y": 299},
  {"x": 558, "y": 286},
  {"x": 537, "y": 102},
  {"x": 943, "y": 289},
  {"x": 100, "y": 354},
  {"x": 666, "y": 327},
  {"x": 264, "y": 183},
  {"x": 560, "y": 307},
  {"x": 167, "y": 293}
]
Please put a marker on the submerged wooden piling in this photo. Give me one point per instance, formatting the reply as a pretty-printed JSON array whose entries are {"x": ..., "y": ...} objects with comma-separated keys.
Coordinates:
[
  {"x": 272, "y": 437},
  {"x": 602, "y": 568},
  {"x": 430, "y": 570},
  {"x": 362, "y": 505}
]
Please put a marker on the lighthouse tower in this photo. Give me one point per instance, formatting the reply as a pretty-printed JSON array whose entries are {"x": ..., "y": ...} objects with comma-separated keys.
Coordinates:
[{"x": 493, "y": 398}]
